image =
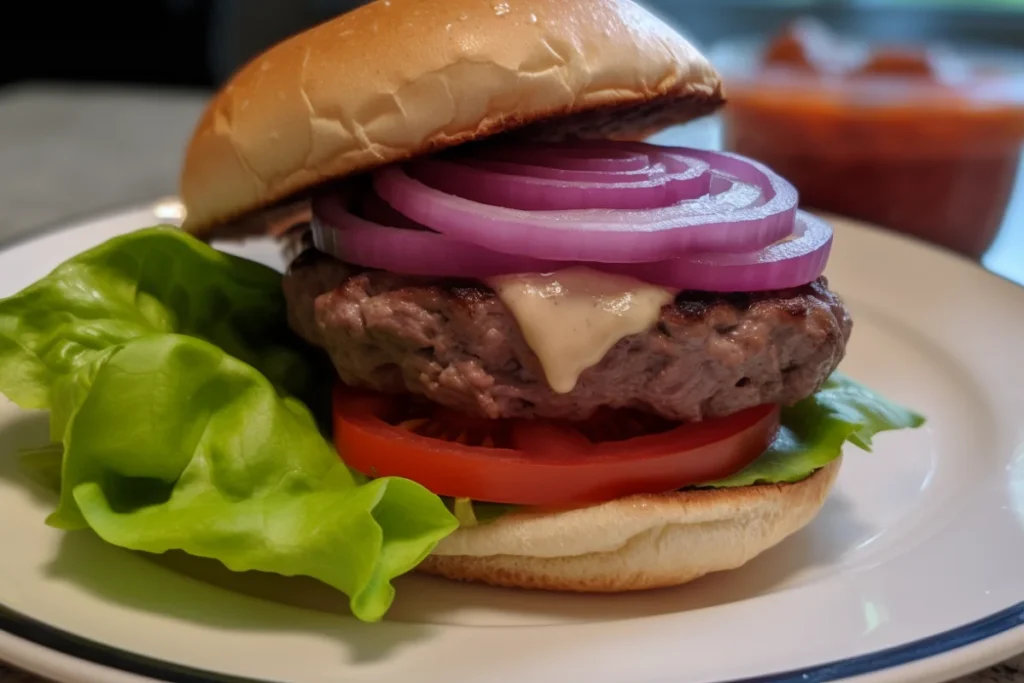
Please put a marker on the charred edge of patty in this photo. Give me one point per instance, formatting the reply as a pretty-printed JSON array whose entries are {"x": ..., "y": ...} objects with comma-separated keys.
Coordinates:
[{"x": 689, "y": 305}]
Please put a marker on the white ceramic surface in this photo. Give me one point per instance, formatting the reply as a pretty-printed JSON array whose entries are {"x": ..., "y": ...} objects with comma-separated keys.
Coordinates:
[{"x": 921, "y": 539}]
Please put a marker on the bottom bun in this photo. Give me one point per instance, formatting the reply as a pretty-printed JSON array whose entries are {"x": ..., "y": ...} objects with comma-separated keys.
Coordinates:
[{"x": 634, "y": 543}]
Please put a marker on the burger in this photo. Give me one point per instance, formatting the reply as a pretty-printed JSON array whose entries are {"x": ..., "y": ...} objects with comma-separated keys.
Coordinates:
[{"x": 515, "y": 343}]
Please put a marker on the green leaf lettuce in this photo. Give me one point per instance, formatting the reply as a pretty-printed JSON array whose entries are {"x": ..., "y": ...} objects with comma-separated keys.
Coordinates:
[
  {"x": 814, "y": 431},
  {"x": 173, "y": 385}
]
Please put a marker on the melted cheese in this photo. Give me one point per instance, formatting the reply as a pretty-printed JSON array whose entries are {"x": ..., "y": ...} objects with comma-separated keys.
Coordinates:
[{"x": 571, "y": 318}]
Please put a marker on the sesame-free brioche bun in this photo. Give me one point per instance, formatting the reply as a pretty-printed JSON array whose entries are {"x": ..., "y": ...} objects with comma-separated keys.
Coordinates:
[
  {"x": 633, "y": 543},
  {"x": 399, "y": 78}
]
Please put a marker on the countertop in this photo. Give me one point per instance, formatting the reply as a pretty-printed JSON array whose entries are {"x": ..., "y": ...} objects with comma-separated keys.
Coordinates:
[{"x": 70, "y": 152}]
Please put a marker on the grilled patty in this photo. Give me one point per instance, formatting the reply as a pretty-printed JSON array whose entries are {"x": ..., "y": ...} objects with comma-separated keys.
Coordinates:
[{"x": 454, "y": 342}]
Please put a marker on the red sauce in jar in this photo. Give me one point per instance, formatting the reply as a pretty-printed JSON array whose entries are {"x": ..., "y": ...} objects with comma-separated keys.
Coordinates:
[{"x": 914, "y": 140}]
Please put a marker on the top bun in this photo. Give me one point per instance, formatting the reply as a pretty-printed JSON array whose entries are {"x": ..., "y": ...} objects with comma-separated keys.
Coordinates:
[{"x": 399, "y": 78}]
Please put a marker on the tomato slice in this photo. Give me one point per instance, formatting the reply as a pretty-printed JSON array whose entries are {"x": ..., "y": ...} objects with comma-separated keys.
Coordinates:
[{"x": 541, "y": 462}]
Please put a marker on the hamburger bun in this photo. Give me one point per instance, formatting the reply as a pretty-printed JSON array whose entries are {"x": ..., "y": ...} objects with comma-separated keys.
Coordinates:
[
  {"x": 633, "y": 543},
  {"x": 396, "y": 79},
  {"x": 400, "y": 78}
]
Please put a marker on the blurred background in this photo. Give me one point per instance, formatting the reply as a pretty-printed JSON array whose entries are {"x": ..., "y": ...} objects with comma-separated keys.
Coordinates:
[
  {"x": 903, "y": 113},
  {"x": 200, "y": 42}
]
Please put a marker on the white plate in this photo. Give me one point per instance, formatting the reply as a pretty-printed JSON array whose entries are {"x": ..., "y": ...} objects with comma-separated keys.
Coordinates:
[{"x": 914, "y": 571}]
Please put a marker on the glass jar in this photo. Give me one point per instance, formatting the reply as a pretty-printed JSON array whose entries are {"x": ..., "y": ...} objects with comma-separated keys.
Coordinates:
[{"x": 923, "y": 141}]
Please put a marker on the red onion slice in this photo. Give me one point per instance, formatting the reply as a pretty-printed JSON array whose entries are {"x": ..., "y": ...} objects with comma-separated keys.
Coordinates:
[
  {"x": 651, "y": 172},
  {"x": 514, "y": 190},
  {"x": 794, "y": 261},
  {"x": 338, "y": 232},
  {"x": 746, "y": 207},
  {"x": 572, "y": 156},
  {"x": 791, "y": 262}
]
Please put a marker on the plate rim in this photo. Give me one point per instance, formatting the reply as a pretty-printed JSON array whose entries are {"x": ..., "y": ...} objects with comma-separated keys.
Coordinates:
[
  {"x": 1005, "y": 625},
  {"x": 888, "y": 661}
]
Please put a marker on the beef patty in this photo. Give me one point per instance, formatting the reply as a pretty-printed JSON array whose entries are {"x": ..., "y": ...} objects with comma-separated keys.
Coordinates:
[{"x": 455, "y": 342}]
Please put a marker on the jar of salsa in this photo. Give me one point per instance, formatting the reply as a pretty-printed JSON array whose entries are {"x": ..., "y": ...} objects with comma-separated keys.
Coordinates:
[{"x": 923, "y": 141}]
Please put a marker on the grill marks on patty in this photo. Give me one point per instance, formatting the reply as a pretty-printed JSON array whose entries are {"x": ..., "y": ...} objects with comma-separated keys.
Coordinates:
[{"x": 455, "y": 342}]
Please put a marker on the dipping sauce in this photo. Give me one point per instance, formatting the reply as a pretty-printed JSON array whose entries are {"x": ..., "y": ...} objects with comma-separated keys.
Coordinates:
[{"x": 917, "y": 140}]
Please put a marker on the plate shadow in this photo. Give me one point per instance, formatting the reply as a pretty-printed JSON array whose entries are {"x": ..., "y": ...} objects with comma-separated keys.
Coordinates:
[
  {"x": 24, "y": 459},
  {"x": 186, "y": 592}
]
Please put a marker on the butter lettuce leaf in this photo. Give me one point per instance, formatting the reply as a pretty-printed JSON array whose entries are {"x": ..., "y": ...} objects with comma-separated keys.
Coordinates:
[
  {"x": 156, "y": 280},
  {"x": 175, "y": 391},
  {"x": 814, "y": 431},
  {"x": 207, "y": 458}
]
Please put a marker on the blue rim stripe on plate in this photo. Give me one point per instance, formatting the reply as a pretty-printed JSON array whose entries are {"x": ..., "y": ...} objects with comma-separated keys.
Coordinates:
[{"x": 55, "y": 639}]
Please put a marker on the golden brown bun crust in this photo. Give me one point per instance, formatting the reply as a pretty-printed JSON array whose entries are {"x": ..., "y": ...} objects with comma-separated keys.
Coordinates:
[
  {"x": 398, "y": 78},
  {"x": 633, "y": 543}
]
